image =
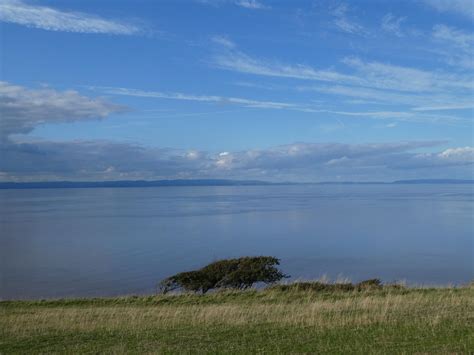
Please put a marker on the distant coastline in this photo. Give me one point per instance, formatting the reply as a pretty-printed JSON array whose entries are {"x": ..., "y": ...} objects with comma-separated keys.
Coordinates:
[{"x": 205, "y": 182}]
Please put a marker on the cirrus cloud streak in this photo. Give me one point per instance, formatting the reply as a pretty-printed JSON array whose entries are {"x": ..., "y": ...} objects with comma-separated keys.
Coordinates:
[{"x": 50, "y": 19}]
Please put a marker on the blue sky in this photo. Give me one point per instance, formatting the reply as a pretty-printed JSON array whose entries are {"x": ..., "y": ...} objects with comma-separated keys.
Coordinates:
[{"x": 273, "y": 90}]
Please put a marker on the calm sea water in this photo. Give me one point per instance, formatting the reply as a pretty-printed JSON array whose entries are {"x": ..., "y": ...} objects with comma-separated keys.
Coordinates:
[{"x": 101, "y": 242}]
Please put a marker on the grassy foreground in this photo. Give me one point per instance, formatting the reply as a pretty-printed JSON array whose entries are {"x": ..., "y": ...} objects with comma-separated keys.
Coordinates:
[{"x": 276, "y": 320}]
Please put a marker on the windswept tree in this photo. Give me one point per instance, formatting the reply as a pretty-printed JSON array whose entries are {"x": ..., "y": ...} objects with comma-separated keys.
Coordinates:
[{"x": 238, "y": 273}]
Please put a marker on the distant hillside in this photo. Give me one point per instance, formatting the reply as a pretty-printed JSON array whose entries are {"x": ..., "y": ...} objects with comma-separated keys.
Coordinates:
[
  {"x": 434, "y": 181},
  {"x": 201, "y": 182},
  {"x": 127, "y": 183}
]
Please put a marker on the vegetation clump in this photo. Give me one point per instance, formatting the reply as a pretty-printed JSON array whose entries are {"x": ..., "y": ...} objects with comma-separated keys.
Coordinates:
[
  {"x": 370, "y": 284},
  {"x": 240, "y": 273},
  {"x": 318, "y": 286}
]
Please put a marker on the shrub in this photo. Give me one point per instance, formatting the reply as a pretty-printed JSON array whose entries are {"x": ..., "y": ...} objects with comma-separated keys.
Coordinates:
[
  {"x": 315, "y": 286},
  {"x": 189, "y": 281},
  {"x": 238, "y": 273},
  {"x": 318, "y": 286},
  {"x": 369, "y": 284}
]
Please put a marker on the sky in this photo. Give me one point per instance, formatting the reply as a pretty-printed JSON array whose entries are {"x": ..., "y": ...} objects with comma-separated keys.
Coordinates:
[{"x": 303, "y": 91}]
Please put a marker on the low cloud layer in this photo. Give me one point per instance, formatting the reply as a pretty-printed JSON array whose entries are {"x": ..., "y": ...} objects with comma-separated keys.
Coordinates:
[{"x": 102, "y": 160}]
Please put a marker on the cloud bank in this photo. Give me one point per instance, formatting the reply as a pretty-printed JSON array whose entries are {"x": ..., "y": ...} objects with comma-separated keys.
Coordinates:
[{"x": 102, "y": 160}]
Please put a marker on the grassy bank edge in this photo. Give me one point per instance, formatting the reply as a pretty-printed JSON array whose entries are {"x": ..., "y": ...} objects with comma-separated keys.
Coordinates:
[{"x": 294, "y": 292}]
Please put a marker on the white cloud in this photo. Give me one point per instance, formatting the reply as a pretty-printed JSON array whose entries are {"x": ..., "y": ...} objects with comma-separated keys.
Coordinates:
[
  {"x": 47, "y": 18},
  {"x": 343, "y": 22},
  {"x": 250, "y": 4},
  {"x": 449, "y": 158},
  {"x": 199, "y": 98},
  {"x": 400, "y": 116},
  {"x": 393, "y": 77},
  {"x": 374, "y": 95},
  {"x": 464, "y": 154},
  {"x": 102, "y": 160},
  {"x": 418, "y": 90},
  {"x": 238, "y": 61},
  {"x": 460, "y": 7},
  {"x": 409, "y": 115},
  {"x": 458, "y": 46},
  {"x": 23, "y": 109},
  {"x": 458, "y": 38},
  {"x": 459, "y": 106},
  {"x": 223, "y": 41},
  {"x": 427, "y": 101},
  {"x": 392, "y": 24},
  {"x": 364, "y": 74}
]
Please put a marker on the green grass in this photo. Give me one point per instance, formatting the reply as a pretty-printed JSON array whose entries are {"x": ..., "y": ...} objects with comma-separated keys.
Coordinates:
[{"x": 295, "y": 319}]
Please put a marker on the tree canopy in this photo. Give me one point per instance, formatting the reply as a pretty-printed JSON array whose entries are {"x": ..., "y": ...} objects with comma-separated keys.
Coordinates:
[{"x": 239, "y": 273}]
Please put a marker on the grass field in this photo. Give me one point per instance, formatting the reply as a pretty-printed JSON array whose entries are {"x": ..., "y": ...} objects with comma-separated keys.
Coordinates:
[{"x": 276, "y": 320}]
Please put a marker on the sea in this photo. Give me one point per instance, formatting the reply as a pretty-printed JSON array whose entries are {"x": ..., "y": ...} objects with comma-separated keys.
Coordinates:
[{"x": 85, "y": 242}]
